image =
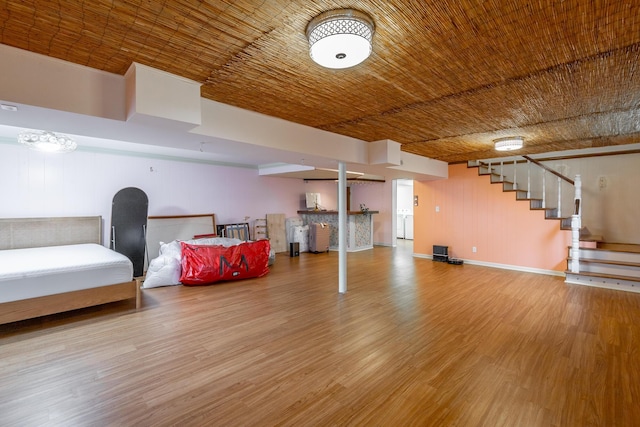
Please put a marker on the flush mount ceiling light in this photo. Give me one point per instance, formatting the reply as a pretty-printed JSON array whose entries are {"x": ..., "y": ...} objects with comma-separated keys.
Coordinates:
[
  {"x": 47, "y": 141},
  {"x": 340, "y": 38},
  {"x": 509, "y": 143}
]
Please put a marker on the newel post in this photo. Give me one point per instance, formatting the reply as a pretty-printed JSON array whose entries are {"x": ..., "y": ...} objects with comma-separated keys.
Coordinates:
[{"x": 576, "y": 224}]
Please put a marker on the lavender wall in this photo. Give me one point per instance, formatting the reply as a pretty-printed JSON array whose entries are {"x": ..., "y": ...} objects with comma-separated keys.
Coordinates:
[{"x": 34, "y": 184}]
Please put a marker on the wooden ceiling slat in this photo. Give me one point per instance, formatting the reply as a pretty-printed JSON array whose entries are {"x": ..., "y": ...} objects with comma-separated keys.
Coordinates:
[{"x": 445, "y": 77}]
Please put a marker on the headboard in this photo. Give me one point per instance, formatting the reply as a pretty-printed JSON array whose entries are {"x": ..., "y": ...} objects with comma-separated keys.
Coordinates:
[
  {"x": 176, "y": 227},
  {"x": 18, "y": 233}
]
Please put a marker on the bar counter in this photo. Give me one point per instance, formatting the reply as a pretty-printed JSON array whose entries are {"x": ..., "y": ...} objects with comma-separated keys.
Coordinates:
[{"x": 359, "y": 227}]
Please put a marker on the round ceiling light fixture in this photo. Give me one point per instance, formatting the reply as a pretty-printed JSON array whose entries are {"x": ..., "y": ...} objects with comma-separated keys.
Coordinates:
[
  {"x": 47, "y": 141},
  {"x": 509, "y": 143},
  {"x": 340, "y": 38}
]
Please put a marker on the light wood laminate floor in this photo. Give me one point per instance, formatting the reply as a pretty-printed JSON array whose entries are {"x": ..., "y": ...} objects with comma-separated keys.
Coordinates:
[{"x": 413, "y": 342}]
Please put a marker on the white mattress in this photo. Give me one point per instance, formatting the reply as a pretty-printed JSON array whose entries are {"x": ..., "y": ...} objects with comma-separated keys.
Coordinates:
[{"x": 36, "y": 272}]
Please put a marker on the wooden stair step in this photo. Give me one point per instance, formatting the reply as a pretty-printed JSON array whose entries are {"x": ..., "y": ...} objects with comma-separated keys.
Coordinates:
[
  {"x": 591, "y": 238},
  {"x": 619, "y": 247},
  {"x": 605, "y": 276},
  {"x": 609, "y": 262}
]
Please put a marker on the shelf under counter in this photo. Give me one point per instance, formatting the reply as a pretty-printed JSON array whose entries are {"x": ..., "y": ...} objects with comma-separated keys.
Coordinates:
[{"x": 320, "y": 212}]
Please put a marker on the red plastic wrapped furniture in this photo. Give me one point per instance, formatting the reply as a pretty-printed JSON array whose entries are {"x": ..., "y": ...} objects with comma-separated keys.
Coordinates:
[{"x": 203, "y": 265}]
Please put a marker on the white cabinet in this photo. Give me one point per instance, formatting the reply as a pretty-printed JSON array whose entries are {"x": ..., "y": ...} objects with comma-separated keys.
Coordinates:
[
  {"x": 405, "y": 227},
  {"x": 408, "y": 227},
  {"x": 400, "y": 227}
]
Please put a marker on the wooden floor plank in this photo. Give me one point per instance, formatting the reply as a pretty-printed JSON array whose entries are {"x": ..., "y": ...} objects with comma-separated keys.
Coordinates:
[{"x": 413, "y": 342}]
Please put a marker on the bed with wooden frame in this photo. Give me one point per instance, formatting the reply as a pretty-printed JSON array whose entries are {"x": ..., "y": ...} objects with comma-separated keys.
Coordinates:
[{"x": 47, "y": 285}]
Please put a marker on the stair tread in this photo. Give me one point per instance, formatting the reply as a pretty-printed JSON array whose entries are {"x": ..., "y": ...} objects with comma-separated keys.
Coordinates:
[
  {"x": 561, "y": 218},
  {"x": 620, "y": 247},
  {"x": 606, "y": 261},
  {"x": 591, "y": 238},
  {"x": 611, "y": 250},
  {"x": 605, "y": 276}
]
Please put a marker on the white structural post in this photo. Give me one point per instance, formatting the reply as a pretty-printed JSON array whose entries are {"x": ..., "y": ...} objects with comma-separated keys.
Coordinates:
[
  {"x": 576, "y": 224},
  {"x": 342, "y": 227}
]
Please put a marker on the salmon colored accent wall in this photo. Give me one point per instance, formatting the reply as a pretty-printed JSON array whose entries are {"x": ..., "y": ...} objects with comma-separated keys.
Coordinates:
[{"x": 474, "y": 212}]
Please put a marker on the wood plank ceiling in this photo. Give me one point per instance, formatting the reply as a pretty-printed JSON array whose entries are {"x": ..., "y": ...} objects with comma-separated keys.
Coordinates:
[{"x": 446, "y": 77}]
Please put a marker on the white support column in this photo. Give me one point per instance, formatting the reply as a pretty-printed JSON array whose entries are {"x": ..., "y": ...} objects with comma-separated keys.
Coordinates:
[
  {"x": 342, "y": 227},
  {"x": 576, "y": 224}
]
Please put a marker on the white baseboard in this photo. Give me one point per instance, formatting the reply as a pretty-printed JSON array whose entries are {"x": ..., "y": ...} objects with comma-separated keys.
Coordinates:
[
  {"x": 603, "y": 282},
  {"x": 503, "y": 266},
  {"x": 384, "y": 244}
]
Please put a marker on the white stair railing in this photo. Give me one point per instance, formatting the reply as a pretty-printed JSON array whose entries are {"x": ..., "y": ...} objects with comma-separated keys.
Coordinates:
[
  {"x": 576, "y": 224},
  {"x": 559, "y": 197},
  {"x": 528, "y": 179},
  {"x": 576, "y": 217},
  {"x": 544, "y": 189}
]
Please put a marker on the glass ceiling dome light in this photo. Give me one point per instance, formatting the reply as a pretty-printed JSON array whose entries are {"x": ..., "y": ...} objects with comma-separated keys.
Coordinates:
[
  {"x": 340, "y": 38},
  {"x": 47, "y": 141},
  {"x": 509, "y": 143}
]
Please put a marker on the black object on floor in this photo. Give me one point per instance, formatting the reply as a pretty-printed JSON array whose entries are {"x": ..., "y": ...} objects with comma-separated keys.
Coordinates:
[{"x": 129, "y": 226}]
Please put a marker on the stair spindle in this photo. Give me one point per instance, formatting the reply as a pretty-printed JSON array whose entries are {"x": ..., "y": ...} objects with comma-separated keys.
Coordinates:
[
  {"x": 559, "y": 198},
  {"x": 501, "y": 171},
  {"x": 544, "y": 189},
  {"x": 515, "y": 175},
  {"x": 528, "y": 179}
]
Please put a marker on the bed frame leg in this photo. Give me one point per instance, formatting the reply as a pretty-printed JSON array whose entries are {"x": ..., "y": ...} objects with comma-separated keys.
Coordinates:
[{"x": 139, "y": 281}]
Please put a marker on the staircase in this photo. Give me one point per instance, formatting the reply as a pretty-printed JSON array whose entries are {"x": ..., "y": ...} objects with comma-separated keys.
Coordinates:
[
  {"x": 500, "y": 175},
  {"x": 608, "y": 266},
  {"x": 590, "y": 261}
]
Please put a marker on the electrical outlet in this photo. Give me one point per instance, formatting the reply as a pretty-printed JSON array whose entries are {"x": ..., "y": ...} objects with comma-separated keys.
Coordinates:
[
  {"x": 602, "y": 182},
  {"x": 437, "y": 208},
  {"x": 474, "y": 249}
]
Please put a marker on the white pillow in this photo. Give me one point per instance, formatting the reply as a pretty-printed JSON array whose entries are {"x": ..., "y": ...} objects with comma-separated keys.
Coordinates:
[
  {"x": 171, "y": 249},
  {"x": 163, "y": 271}
]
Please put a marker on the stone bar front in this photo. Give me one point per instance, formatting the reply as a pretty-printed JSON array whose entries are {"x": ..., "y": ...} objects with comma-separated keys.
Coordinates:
[{"x": 359, "y": 227}]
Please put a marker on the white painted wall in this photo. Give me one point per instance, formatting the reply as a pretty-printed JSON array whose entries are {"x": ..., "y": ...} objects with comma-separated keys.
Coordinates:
[
  {"x": 405, "y": 198},
  {"x": 612, "y": 211},
  {"x": 34, "y": 79}
]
